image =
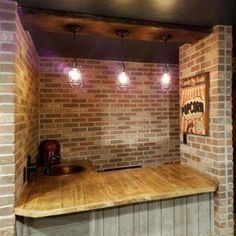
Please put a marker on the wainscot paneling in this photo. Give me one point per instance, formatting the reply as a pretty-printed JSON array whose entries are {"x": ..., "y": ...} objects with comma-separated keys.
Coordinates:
[{"x": 184, "y": 216}]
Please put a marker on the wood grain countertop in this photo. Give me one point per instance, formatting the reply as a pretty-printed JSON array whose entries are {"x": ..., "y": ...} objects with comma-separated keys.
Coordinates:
[{"x": 56, "y": 195}]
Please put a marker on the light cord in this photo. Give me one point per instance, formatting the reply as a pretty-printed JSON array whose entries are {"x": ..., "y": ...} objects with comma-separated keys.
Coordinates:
[
  {"x": 75, "y": 49},
  {"x": 122, "y": 53}
]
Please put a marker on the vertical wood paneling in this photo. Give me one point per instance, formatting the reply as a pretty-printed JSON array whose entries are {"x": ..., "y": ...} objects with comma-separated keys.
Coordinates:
[
  {"x": 110, "y": 222},
  {"x": 154, "y": 218},
  {"x": 140, "y": 219},
  {"x": 204, "y": 215},
  {"x": 19, "y": 226},
  {"x": 96, "y": 223},
  {"x": 68, "y": 225},
  {"x": 167, "y": 218},
  {"x": 136, "y": 219},
  {"x": 26, "y": 227},
  {"x": 180, "y": 216},
  {"x": 126, "y": 220},
  {"x": 192, "y": 216},
  {"x": 143, "y": 219},
  {"x": 212, "y": 206},
  {"x": 184, "y": 216}
]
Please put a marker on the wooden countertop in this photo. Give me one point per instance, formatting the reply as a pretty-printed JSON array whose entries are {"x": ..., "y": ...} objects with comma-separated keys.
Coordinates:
[{"x": 56, "y": 195}]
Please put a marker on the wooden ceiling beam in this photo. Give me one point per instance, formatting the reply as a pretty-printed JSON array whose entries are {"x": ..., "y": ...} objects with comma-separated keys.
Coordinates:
[{"x": 35, "y": 19}]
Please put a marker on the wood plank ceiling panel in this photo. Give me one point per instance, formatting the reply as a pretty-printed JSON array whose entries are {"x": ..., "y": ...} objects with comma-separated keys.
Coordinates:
[{"x": 54, "y": 21}]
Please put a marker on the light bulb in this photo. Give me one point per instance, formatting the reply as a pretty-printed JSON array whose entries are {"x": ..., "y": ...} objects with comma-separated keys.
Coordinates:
[
  {"x": 123, "y": 81},
  {"x": 165, "y": 81},
  {"x": 75, "y": 76},
  {"x": 123, "y": 78}
]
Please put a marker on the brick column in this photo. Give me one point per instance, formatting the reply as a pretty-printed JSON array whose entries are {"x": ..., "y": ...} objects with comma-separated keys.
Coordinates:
[
  {"x": 212, "y": 154},
  {"x": 19, "y": 86},
  {"x": 7, "y": 98}
]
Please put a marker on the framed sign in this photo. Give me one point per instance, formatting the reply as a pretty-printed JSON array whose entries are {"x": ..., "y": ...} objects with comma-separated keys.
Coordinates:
[{"x": 194, "y": 104}]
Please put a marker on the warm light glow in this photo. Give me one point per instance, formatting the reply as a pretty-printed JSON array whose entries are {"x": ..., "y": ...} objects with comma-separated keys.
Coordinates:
[
  {"x": 75, "y": 77},
  {"x": 166, "y": 6},
  {"x": 165, "y": 81},
  {"x": 123, "y": 78},
  {"x": 123, "y": 81}
]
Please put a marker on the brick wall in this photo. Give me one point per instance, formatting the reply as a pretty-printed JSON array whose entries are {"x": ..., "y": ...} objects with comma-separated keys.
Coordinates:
[
  {"x": 18, "y": 115},
  {"x": 213, "y": 154},
  {"x": 7, "y": 99},
  {"x": 26, "y": 103},
  {"x": 111, "y": 128}
]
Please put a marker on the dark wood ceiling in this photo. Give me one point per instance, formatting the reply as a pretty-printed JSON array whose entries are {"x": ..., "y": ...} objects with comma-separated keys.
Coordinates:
[
  {"x": 188, "y": 12},
  {"x": 186, "y": 20},
  {"x": 41, "y": 20}
]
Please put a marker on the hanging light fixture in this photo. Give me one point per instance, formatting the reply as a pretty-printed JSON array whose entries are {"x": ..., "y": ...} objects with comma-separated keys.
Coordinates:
[
  {"x": 123, "y": 79},
  {"x": 166, "y": 78},
  {"x": 75, "y": 77}
]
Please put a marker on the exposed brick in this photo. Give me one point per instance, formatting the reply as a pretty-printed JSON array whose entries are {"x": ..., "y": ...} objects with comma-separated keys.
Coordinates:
[
  {"x": 6, "y": 211},
  {"x": 6, "y": 200},
  {"x": 96, "y": 121},
  {"x": 18, "y": 107},
  {"x": 8, "y": 5},
  {"x": 6, "y": 179},
  {"x": 7, "y": 190},
  {"x": 208, "y": 153},
  {"x": 7, "y": 221}
]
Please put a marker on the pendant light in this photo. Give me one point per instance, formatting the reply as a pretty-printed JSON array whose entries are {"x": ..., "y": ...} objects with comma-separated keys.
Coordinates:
[
  {"x": 75, "y": 77},
  {"x": 122, "y": 79},
  {"x": 166, "y": 78}
]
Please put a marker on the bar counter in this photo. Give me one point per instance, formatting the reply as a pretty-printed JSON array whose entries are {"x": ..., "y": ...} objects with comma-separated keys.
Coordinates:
[{"x": 90, "y": 190}]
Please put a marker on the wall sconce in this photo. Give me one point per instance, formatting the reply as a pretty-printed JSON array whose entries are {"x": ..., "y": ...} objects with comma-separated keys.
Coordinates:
[
  {"x": 75, "y": 77},
  {"x": 123, "y": 79},
  {"x": 166, "y": 78}
]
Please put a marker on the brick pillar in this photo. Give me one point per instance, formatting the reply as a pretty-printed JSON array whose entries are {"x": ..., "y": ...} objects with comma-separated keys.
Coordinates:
[
  {"x": 19, "y": 99},
  {"x": 7, "y": 96},
  {"x": 212, "y": 154}
]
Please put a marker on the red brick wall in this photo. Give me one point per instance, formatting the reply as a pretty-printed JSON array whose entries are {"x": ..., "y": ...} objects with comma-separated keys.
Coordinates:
[
  {"x": 19, "y": 84},
  {"x": 213, "y": 154},
  {"x": 111, "y": 128}
]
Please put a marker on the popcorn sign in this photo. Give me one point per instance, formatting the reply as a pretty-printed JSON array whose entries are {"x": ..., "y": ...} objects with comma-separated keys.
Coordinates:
[{"x": 194, "y": 104}]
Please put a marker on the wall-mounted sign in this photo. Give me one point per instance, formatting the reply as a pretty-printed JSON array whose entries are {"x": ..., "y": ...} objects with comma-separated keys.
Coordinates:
[{"x": 194, "y": 104}]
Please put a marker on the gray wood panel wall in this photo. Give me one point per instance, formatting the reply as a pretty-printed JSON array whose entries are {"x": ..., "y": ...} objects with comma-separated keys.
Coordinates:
[{"x": 184, "y": 216}]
